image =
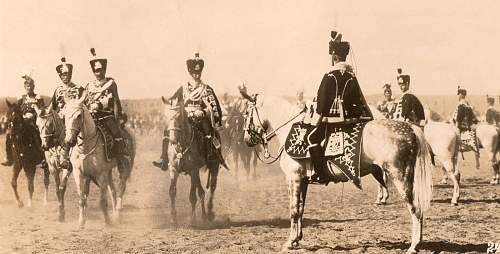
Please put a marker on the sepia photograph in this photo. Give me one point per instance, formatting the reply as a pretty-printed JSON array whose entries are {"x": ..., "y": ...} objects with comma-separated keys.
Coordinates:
[{"x": 191, "y": 126}]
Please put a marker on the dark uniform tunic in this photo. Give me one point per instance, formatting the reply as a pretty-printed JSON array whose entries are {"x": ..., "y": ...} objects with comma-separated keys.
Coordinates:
[
  {"x": 464, "y": 117},
  {"x": 492, "y": 116},
  {"x": 201, "y": 98},
  {"x": 63, "y": 93},
  {"x": 412, "y": 109},
  {"x": 28, "y": 103},
  {"x": 339, "y": 95},
  {"x": 104, "y": 103}
]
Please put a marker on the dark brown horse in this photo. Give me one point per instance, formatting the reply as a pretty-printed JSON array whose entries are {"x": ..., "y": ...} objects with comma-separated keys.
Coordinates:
[
  {"x": 26, "y": 151},
  {"x": 186, "y": 155}
]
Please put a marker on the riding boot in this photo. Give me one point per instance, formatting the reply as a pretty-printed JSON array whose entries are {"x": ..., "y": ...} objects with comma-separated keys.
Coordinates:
[
  {"x": 162, "y": 163},
  {"x": 8, "y": 151},
  {"x": 319, "y": 164}
]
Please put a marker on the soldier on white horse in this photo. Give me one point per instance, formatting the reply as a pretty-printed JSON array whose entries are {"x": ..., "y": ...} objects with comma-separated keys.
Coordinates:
[
  {"x": 492, "y": 116},
  {"x": 409, "y": 108},
  {"x": 388, "y": 105},
  {"x": 339, "y": 100}
]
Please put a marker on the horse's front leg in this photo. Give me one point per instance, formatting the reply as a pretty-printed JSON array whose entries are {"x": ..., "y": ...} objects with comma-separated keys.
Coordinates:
[
  {"x": 295, "y": 189},
  {"x": 103, "y": 202},
  {"x": 212, "y": 185},
  {"x": 59, "y": 192},
  {"x": 173, "y": 192},
  {"x": 46, "y": 182},
  {"x": 192, "y": 195},
  {"x": 16, "y": 169},
  {"x": 30, "y": 171}
]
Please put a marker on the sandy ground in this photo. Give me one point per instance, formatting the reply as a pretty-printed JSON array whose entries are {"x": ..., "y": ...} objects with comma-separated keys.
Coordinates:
[{"x": 251, "y": 216}]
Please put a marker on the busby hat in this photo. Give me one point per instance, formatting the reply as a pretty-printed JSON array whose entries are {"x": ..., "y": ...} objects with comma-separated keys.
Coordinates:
[
  {"x": 490, "y": 100},
  {"x": 461, "y": 91},
  {"x": 97, "y": 63},
  {"x": 196, "y": 64},
  {"x": 64, "y": 67},
  {"x": 337, "y": 46},
  {"x": 402, "y": 78},
  {"x": 387, "y": 87},
  {"x": 26, "y": 73}
]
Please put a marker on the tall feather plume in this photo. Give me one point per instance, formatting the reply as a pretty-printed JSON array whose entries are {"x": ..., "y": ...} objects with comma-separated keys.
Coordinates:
[{"x": 92, "y": 51}]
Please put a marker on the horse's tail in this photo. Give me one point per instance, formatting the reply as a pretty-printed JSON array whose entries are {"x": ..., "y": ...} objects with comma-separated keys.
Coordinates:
[{"x": 422, "y": 178}]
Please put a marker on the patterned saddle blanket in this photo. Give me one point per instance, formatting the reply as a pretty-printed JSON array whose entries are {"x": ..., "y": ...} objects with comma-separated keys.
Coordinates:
[
  {"x": 342, "y": 147},
  {"x": 469, "y": 141},
  {"x": 109, "y": 142}
]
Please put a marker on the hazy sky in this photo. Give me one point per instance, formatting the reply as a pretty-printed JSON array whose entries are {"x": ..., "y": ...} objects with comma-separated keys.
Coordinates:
[{"x": 275, "y": 46}]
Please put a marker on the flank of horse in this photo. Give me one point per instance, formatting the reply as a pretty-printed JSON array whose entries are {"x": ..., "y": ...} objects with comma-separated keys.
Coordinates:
[
  {"x": 51, "y": 127},
  {"x": 185, "y": 155},
  {"x": 89, "y": 160},
  {"x": 24, "y": 153},
  {"x": 396, "y": 148}
]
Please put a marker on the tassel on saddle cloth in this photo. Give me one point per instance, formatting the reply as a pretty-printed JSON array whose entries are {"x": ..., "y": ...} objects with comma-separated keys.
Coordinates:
[{"x": 342, "y": 147}]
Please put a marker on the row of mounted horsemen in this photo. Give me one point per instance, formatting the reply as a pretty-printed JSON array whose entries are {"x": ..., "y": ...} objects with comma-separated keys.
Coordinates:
[{"x": 339, "y": 138}]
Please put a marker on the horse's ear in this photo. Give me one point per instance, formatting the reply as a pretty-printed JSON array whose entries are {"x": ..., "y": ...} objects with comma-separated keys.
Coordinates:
[
  {"x": 8, "y": 103},
  {"x": 165, "y": 101},
  {"x": 83, "y": 97}
]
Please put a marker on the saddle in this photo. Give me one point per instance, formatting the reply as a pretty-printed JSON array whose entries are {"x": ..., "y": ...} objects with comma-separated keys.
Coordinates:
[
  {"x": 341, "y": 146},
  {"x": 109, "y": 142}
]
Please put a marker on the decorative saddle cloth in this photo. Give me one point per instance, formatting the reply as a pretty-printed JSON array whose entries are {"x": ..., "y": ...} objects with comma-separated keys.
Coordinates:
[
  {"x": 468, "y": 141},
  {"x": 342, "y": 147},
  {"x": 109, "y": 142}
]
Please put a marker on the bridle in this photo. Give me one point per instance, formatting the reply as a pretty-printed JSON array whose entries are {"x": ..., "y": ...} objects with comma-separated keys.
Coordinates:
[
  {"x": 257, "y": 130},
  {"x": 77, "y": 131},
  {"x": 179, "y": 150}
]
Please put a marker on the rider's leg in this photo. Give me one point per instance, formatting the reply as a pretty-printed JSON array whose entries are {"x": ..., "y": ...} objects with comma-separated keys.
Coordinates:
[
  {"x": 163, "y": 162},
  {"x": 317, "y": 155},
  {"x": 8, "y": 149}
]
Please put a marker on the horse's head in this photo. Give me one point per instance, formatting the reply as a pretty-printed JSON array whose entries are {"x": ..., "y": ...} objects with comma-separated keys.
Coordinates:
[
  {"x": 14, "y": 117},
  {"x": 176, "y": 122},
  {"x": 253, "y": 127},
  {"x": 73, "y": 120},
  {"x": 48, "y": 127}
]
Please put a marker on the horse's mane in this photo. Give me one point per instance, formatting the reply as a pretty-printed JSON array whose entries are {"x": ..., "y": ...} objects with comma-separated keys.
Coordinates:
[{"x": 275, "y": 110}]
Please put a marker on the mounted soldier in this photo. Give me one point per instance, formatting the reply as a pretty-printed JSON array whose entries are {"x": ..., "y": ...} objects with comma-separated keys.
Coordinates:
[
  {"x": 492, "y": 115},
  {"x": 27, "y": 103},
  {"x": 203, "y": 110},
  {"x": 387, "y": 106},
  {"x": 408, "y": 108},
  {"x": 339, "y": 102},
  {"x": 105, "y": 106},
  {"x": 464, "y": 117},
  {"x": 65, "y": 91}
]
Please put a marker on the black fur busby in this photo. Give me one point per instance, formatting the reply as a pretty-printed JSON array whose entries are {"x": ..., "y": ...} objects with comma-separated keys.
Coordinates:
[
  {"x": 337, "y": 46},
  {"x": 196, "y": 64},
  {"x": 402, "y": 78},
  {"x": 490, "y": 100},
  {"x": 98, "y": 63},
  {"x": 461, "y": 91},
  {"x": 64, "y": 67},
  {"x": 387, "y": 87}
]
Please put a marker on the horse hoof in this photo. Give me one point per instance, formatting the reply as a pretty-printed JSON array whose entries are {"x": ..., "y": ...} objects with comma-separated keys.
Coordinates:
[
  {"x": 454, "y": 203},
  {"x": 20, "y": 204},
  {"x": 443, "y": 182},
  {"x": 411, "y": 251},
  {"x": 211, "y": 217}
]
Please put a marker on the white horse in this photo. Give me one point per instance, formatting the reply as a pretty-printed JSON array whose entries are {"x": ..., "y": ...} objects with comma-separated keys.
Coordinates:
[
  {"x": 488, "y": 136},
  {"x": 397, "y": 148},
  {"x": 444, "y": 141},
  {"x": 89, "y": 159},
  {"x": 51, "y": 127}
]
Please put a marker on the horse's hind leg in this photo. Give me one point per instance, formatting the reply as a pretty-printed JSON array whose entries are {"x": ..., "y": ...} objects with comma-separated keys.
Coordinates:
[
  {"x": 254, "y": 164},
  {"x": 296, "y": 192},
  {"x": 124, "y": 171},
  {"x": 15, "y": 174},
  {"x": 30, "y": 175},
  {"x": 451, "y": 167},
  {"x": 201, "y": 196}
]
